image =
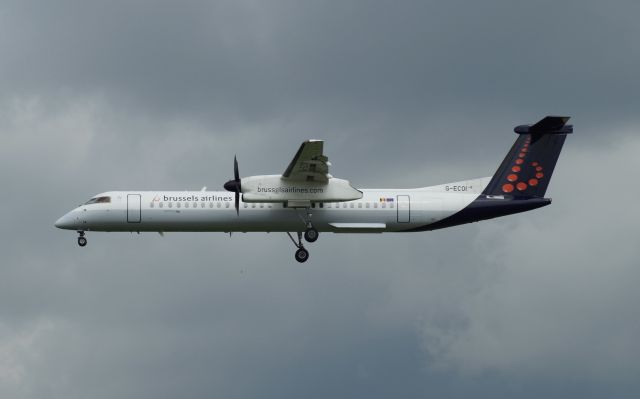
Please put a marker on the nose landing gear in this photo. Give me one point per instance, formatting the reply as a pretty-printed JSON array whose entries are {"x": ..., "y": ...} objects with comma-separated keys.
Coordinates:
[{"x": 82, "y": 240}]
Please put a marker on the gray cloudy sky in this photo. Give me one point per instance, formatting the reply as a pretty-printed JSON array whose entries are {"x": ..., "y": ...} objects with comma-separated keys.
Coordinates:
[{"x": 96, "y": 96}]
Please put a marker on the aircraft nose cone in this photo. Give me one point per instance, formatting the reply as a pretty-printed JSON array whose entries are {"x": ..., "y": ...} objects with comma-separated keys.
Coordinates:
[{"x": 65, "y": 222}]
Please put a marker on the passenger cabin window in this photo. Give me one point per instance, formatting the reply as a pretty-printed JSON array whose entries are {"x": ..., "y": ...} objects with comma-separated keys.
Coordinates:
[
  {"x": 99, "y": 200},
  {"x": 151, "y": 205},
  {"x": 160, "y": 205},
  {"x": 359, "y": 204}
]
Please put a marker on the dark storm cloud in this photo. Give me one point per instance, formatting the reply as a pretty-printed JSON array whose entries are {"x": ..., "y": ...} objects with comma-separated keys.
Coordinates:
[
  {"x": 425, "y": 76},
  {"x": 256, "y": 61},
  {"x": 123, "y": 95}
]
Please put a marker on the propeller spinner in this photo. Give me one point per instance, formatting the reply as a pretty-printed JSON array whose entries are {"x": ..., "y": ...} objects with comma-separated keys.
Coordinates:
[{"x": 235, "y": 185}]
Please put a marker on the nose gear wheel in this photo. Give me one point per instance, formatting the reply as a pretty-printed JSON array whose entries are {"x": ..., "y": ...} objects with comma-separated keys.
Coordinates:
[{"x": 82, "y": 240}]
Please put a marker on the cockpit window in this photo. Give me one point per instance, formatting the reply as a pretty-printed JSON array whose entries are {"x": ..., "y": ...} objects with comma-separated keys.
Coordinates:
[{"x": 98, "y": 200}]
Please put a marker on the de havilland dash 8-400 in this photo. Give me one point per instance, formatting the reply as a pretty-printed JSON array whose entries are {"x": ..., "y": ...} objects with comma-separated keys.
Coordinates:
[{"x": 307, "y": 200}]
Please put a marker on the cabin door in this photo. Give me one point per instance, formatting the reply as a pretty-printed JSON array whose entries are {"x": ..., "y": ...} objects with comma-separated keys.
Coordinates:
[
  {"x": 134, "y": 212},
  {"x": 404, "y": 208}
]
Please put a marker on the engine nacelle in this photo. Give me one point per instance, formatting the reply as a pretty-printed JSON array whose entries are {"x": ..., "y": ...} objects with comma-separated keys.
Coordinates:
[{"x": 274, "y": 188}]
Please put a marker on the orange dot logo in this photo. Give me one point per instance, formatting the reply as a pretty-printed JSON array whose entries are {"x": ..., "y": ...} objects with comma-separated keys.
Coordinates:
[{"x": 512, "y": 178}]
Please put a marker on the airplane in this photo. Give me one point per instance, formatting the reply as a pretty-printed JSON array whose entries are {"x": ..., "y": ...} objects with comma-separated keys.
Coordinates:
[{"x": 307, "y": 200}]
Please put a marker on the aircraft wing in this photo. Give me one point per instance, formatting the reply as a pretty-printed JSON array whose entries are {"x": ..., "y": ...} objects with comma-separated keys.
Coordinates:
[{"x": 309, "y": 164}]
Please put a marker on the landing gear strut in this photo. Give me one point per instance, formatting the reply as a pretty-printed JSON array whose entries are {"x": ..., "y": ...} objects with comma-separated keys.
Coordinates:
[
  {"x": 301, "y": 254},
  {"x": 82, "y": 241},
  {"x": 310, "y": 234}
]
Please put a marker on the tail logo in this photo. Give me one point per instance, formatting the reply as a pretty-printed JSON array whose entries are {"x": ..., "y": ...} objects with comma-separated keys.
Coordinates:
[{"x": 512, "y": 179}]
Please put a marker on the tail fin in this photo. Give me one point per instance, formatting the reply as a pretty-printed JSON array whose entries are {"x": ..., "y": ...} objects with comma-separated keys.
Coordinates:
[{"x": 527, "y": 168}]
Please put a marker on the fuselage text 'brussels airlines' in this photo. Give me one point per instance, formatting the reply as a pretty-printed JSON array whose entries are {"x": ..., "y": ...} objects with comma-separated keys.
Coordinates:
[{"x": 307, "y": 200}]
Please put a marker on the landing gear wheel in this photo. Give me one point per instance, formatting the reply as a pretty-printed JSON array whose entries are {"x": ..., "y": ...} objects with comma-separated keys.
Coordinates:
[
  {"x": 302, "y": 255},
  {"x": 82, "y": 241},
  {"x": 311, "y": 235}
]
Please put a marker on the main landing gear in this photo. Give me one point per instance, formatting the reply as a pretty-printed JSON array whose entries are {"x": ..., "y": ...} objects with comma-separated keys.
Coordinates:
[
  {"x": 301, "y": 254},
  {"x": 310, "y": 234},
  {"x": 82, "y": 240}
]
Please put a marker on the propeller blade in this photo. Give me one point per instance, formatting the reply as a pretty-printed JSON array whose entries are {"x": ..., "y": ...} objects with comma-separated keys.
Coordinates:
[
  {"x": 235, "y": 185},
  {"x": 236, "y": 174},
  {"x": 238, "y": 202}
]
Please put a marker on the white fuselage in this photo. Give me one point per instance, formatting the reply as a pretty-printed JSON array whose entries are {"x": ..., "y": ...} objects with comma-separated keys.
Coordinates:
[{"x": 379, "y": 210}]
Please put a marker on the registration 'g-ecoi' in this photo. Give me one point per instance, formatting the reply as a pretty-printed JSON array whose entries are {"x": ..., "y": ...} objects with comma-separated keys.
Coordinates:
[{"x": 306, "y": 199}]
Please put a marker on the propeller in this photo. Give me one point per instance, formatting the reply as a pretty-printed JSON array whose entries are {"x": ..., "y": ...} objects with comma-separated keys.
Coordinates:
[{"x": 234, "y": 185}]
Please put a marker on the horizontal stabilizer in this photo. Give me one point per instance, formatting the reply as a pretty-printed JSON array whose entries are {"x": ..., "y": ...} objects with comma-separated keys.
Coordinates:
[{"x": 547, "y": 125}]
